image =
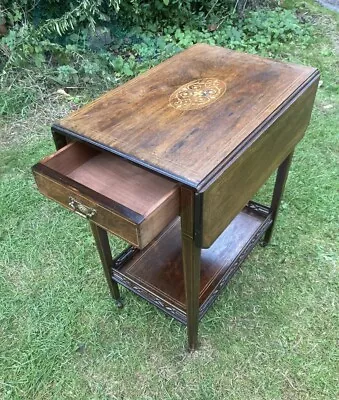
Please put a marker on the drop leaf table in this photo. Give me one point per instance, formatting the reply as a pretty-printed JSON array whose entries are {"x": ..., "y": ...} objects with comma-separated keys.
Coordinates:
[{"x": 170, "y": 161}]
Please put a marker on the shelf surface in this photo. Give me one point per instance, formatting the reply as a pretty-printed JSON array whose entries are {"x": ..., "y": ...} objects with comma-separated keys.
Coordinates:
[{"x": 156, "y": 273}]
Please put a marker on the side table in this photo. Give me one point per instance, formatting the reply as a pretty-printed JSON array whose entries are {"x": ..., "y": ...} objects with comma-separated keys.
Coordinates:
[{"x": 170, "y": 160}]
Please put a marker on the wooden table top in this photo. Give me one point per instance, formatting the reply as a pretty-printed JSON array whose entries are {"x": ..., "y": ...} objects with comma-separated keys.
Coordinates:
[{"x": 189, "y": 115}]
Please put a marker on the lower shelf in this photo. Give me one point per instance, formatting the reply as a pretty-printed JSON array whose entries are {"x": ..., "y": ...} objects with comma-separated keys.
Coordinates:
[{"x": 156, "y": 273}]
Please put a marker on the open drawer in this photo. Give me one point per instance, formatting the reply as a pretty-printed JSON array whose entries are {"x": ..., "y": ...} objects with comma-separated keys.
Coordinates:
[{"x": 121, "y": 197}]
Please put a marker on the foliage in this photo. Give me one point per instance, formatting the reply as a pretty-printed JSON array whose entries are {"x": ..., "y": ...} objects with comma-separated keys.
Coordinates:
[
  {"x": 140, "y": 12},
  {"x": 39, "y": 28},
  {"x": 76, "y": 59},
  {"x": 151, "y": 15},
  {"x": 66, "y": 13}
]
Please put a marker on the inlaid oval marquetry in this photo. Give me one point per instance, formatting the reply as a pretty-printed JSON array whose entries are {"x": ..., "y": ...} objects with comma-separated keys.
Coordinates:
[{"x": 197, "y": 94}]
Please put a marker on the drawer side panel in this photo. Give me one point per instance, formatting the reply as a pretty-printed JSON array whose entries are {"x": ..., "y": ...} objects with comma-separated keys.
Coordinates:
[{"x": 159, "y": 219}]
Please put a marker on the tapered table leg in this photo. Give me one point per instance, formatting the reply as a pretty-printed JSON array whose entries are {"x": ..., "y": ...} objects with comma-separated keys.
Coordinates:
[
  {"x": 278, "y": 191},
  {"x": 104, "y": 249},
  {"x": 191, "y": 254}
]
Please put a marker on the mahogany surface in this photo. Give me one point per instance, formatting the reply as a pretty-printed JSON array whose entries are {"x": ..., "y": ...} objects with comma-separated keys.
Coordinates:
[
  {"x": 137, "y": 121},
  {"x": 246, "y": 174},
  {"x": 129, "y": 201},
  {"x": 113, "y": 177},
  {"x": 217, "y": 123},
  {"x": 159, "y": 269}
]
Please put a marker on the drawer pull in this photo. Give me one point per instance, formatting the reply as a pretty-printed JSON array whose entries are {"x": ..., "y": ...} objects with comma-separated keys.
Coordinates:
[{"x": 81, "y": 209}]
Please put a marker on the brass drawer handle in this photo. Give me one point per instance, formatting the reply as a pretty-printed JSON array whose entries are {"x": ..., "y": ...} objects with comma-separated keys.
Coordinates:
[{"x": 81, "y": 209}]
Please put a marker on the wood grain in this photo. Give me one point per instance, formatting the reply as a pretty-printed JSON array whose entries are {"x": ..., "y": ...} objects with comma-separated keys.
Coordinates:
[
  {"x": 111, "y": 176},
  {"x": 191, "y": 263},
  {"x": 142, "y": 203},
  {"x": 104, "y": 217},
  {"x": 159, "y": 218},
  {"x": 217, "y": 121},
  {"x": 278, "y": 191},
  {"x": 136, "y": 120},
  {"x": 159, "y": 268},
  {"x": 244, "y": 176},
  {"x": 105, "y": 254},
  {"x": 69, "y": 157}
]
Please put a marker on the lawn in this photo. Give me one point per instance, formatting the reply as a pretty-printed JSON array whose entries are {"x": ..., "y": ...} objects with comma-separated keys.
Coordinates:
[{"x": 272, "y": 334}]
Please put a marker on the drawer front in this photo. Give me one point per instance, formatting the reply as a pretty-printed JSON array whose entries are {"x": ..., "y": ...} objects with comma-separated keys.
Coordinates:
[{"x": 88, "y": 208}]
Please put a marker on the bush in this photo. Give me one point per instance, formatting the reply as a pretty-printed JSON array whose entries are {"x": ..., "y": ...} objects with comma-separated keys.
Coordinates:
[
  {"x": 68, "y": 14},
  {"x": 66, "y": 51}
]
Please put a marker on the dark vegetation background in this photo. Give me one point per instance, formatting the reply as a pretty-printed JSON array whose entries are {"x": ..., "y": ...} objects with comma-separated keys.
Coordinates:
[{"x": 92, "y": 45}]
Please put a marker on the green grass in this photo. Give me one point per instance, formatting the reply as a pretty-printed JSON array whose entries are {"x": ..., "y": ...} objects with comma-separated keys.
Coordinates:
[{"x": 272, "y": 334}]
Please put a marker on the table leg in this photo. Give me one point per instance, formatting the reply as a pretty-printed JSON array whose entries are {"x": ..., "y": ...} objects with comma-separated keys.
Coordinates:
[
  {"x": 104, "y": 249},
  {"x": 191, "y": 263},
  {"x": 278, "y": 191}
]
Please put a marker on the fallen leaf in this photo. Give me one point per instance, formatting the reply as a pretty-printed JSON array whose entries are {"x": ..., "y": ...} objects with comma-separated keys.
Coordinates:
[{"x": 63, "y": 93}]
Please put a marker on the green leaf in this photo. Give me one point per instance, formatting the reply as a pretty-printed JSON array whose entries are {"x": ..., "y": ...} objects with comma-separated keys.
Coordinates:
[
  {"x": 118, "y": 64},
  {"x": 126, "y": 70}
]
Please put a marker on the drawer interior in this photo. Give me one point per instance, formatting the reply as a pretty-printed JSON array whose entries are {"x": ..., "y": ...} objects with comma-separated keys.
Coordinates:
[{"x": 111, "y": 176}]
